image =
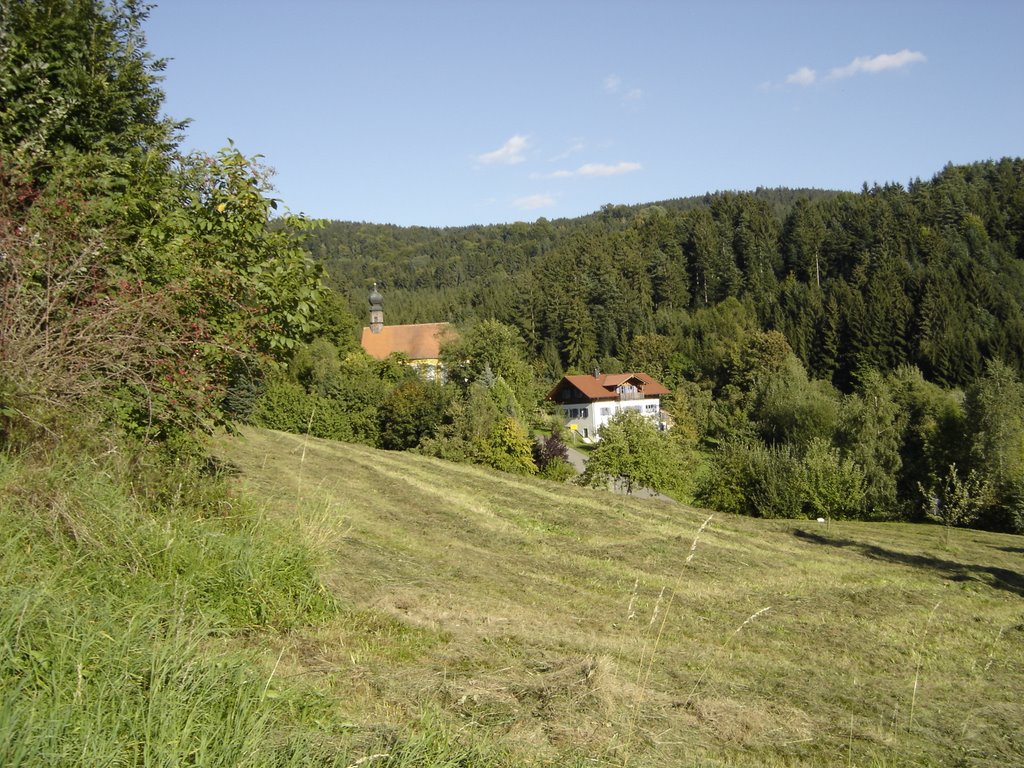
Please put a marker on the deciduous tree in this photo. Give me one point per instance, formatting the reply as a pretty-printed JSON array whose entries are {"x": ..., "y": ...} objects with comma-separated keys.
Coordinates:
[
  {"x": 954, "y": 500},
  {"x": 75, "y": 75},
  {"x": 833, "y": 485},
  {"x": 632, "y": 452}
]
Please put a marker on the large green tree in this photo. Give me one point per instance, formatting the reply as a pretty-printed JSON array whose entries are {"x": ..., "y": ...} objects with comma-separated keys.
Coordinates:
[
  {"x": 486, "y": 350},
  {"x": 995, "y": 419},
  {"x": 135, "y": 279},
  {"x": 870, "y": 433},
  {"x": 75, "y": 75},
  {"x": 632, "y": 453}
]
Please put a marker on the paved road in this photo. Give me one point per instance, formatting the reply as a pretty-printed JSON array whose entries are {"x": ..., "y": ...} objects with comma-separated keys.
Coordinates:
[{"x": 577, "y": 458}]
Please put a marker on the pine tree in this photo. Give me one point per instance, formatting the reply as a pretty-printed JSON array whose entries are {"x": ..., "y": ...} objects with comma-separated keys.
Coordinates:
[{"x": 579, "y": 345}]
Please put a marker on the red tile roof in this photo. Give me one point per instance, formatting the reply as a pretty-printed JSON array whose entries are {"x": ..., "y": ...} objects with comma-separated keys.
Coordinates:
[
  {"x": 421, "y": 341},
  {"x": 615, "y": 379},
  {"x": 604, "y": 386}
]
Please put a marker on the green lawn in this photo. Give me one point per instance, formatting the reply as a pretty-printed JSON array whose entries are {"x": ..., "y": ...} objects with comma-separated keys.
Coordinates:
[{"x": 545, "y": 622}]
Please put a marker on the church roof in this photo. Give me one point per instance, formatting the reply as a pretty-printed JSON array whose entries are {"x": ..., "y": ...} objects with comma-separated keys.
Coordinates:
[
  {"x": 420, "y": 341},
  {"x": 604, "y": 387}
]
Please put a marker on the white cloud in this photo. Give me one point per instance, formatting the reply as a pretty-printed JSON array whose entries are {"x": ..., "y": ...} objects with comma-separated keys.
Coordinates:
[
  {"x": 596, "y": 169},
  {"x": 510, "y": 153},
  {"x": 880, "y": 63},
  {"x": 533, "y": 202},
  {"x": 574, "y": 148},
  {"x": 602, "y": 169},
  {"x": 803, "y": 76},
  {"x": 613, "y": 84}
]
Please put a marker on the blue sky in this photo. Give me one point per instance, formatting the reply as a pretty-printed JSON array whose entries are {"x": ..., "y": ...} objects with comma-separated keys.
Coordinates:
[{"x": 455, "y": 112}]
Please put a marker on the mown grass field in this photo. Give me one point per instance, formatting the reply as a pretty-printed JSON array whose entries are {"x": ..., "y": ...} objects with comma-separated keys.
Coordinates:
[{"x": 552, "y": 624}]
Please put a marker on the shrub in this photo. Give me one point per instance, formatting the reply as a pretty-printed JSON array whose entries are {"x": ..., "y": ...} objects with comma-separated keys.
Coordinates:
[
  {"x": 284, "y": 406},
  {"x": 412, "y": 411},
  {"x": 549, "y": 449},
  {"x": 753, "y": 479},
  {"x": 832, "y": 485},
  {"x": 558, "y": 469},
  {"x": 510, "y": 448}
]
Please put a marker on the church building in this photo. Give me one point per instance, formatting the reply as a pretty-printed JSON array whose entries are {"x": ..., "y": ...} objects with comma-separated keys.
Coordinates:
[{"x": 419, "y": 342}]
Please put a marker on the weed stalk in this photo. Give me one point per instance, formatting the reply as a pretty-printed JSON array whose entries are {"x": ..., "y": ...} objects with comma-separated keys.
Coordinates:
[{"x": 646, "y": 663}]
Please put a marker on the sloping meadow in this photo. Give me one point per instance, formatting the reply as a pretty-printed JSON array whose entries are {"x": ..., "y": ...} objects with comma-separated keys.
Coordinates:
[{"x": 536, "y": 622}]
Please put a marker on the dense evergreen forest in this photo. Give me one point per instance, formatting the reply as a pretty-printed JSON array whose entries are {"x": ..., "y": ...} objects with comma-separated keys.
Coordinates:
[
  {"x": 928, "y": 275},
  {"x": 877, "y": 336}
]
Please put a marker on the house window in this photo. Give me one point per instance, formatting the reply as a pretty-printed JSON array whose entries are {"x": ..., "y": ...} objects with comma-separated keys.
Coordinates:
[
  {"x": 583, "y": 414},
  {"x": 586, "y": 433},
  {"x": 606, "y": 411},
  {"x": 651, "y": 407},
  {"x": 574, "y": 413}
]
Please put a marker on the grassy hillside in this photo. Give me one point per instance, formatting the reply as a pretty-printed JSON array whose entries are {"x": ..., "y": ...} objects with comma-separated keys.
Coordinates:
[{"x": 531, "y": 622}]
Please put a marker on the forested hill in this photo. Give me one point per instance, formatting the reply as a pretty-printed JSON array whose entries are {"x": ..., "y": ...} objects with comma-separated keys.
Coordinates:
[
  {"x": 780, "y": 199},
  {"x": 432, "y": 258},
  {"x": 929, "y": 275}
]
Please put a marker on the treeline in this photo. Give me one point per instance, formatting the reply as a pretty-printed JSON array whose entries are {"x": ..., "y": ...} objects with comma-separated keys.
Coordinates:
[
  {"x": 875, "y": 339},
  {"x": 483, "y": 414}
]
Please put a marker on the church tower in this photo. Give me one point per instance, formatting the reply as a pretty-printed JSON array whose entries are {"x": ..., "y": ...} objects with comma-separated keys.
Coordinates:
[{"x": 376, "y": 310}]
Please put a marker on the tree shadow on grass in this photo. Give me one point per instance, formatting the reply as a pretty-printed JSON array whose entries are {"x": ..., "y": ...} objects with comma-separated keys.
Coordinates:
[{"x": 1000, "y": 578}]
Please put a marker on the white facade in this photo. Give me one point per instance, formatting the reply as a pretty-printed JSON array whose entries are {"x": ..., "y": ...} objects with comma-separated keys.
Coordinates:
[
  {"x": 587, "y": 403},
  {"x": 587, "y": 418}
]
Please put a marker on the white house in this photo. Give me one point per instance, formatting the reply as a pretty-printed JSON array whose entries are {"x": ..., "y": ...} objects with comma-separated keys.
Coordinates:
[{"x": 589, "y": 402}]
